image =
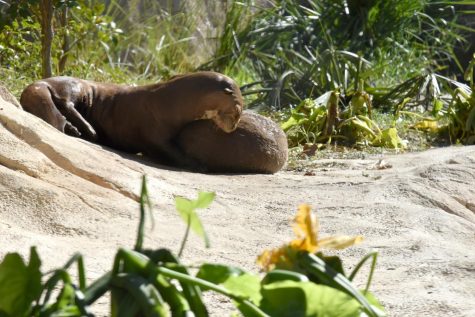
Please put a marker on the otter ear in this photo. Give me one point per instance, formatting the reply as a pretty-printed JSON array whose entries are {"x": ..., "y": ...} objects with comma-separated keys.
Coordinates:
[{"x": 228, "y": 91}]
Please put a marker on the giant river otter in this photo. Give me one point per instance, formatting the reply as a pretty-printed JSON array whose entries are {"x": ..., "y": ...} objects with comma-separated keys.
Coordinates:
[{"x": 136, "y": 119}]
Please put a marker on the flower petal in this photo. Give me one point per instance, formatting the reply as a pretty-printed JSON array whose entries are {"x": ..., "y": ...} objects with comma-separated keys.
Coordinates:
[
  {"x": 306, "y": 228},
  {"x": 339, "y": 242}
]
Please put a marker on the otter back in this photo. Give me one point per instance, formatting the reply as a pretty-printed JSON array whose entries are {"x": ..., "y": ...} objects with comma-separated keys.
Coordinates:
[{"x": 258, "y": 145}]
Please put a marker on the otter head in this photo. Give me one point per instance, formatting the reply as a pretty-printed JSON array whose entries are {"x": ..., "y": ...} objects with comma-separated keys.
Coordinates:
[{"x": 227, "y": 109}]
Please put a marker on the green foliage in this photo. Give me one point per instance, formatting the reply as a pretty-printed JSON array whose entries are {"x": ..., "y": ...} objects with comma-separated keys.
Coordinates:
[
  {"x": 157, "y": 43},
  {"x": 441, "y": 105},
  {"x": 20, "y": 284},
  {"x": 389, "y": 54},
  {"x": 86, "y": 26},
  {"x": 461, "y": 112},
  {"x": 187, "y": 210},
  {"x": 289, "y": 298},
  {"x": 154, "y": 283},
  {"x": 20, "y": 46},
  {"x": 303, "y": 49},
  {"x": 321, "y": 120}
]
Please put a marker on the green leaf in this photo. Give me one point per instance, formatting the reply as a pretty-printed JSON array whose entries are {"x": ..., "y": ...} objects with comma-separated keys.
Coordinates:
[
  {"x": 279, "y": 275},
  {"x": 317, "y": 269},
  {"x": 204, "y": 199},
  {"x": 292, "y": 121},
  {"x": 20, "y": 285},
  {"x": 217, "y": 273},
  {"x": 186, "y": 209},
  {"x": 233, "y": 279},
  {"x": 290, "y": 298},
  {"x": 470, "y": 123},
  {"x": 374, "y": 302},
  {"x": 145, "y": 203},
  {"x": 245, "y": 285},
  {"x": 437, "y": 107},
  {"x": 64, "y": 303},
  {"x": 150, "y": 301},
  {"x": 389, "y": 138},
  {"x": 333, "y": 261}
]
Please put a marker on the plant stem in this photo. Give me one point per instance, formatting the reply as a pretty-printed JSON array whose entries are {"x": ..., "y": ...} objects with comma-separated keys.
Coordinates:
[{"x": 185, "y": 238}]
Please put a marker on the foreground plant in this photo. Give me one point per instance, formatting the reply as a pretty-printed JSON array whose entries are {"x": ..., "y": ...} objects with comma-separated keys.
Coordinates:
[
  {"x": 325, "y": 274},
  {"x": 146, "y": 282}
]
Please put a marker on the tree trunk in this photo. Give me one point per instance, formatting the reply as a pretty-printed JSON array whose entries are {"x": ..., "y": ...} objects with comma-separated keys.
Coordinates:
[
  {"x": 46, "y": 9},
  {"x": 66, "y": 40}
]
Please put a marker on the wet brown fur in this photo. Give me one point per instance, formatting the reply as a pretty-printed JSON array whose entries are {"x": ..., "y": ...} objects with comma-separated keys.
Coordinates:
[
  {"x": 258, "y": 145},
  {"x": 136, "y": 119}
]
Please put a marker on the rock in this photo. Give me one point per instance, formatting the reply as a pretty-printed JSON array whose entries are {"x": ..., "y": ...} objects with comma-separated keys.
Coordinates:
[
  {"x": 7, "y": 96},
  {"x": 65, "y": 194}
]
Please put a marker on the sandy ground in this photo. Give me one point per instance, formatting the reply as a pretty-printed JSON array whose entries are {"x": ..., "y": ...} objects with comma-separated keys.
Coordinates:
[{"x": 66, "y": 195}]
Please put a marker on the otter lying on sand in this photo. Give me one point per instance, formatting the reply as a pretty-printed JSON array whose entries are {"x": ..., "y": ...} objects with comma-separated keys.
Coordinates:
[
  {"x": 258, "y": 145},
  {"x": 136, "y": 119}
]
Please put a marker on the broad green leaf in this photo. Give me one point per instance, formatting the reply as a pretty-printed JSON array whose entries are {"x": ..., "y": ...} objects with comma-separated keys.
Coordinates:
[
  {"x": 144, "y": 293},
  {"x": 204, "y": 200},
  {"x": 187, "y": 210},
  {"x": 301, "y": 299},
  {"x": 289, "y": 123},
  {"x": 183, "y": 205},
  {"x": 218, "y": 273},
  {"x": 123, "y": 305},
  {"x": 360, "y": 125},
  {"x": 20, "y": 284},
  {"x": 317, "y": 269},
  {"x": 245, "y": 285},
  {"x": 233, "y": 279},
  {"x": 389, "y": 138}
]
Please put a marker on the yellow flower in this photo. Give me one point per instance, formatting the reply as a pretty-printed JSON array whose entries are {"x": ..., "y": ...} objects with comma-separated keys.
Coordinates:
[
  {"x": 269, "y": 258},
  {"x": 305, "y": 227}
]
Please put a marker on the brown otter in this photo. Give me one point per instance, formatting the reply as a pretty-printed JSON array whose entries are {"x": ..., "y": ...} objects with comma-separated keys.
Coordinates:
[
  {"x": 258, "y": 145},
  {"x": 136, "y": 119}
]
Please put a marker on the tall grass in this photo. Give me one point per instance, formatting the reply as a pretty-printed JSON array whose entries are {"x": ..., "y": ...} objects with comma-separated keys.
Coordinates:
[
  {"x": 118, "y": 41},
  {"x": 299, "y": 49}
]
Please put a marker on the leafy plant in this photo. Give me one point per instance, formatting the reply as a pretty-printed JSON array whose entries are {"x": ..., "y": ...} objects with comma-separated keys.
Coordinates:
[
  {"x": 147, "y": 282},
  {"x": 301, "y": 49},
  {"x": 187, "y": 210},
  {"x": 461, "y": 112},
  {"x": 441, "y": 105},
  {"x": 321, "y": 120}
]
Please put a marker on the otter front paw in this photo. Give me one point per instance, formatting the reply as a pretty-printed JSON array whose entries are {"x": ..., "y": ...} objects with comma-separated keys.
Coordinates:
[{"x": 71, "y": 130}]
